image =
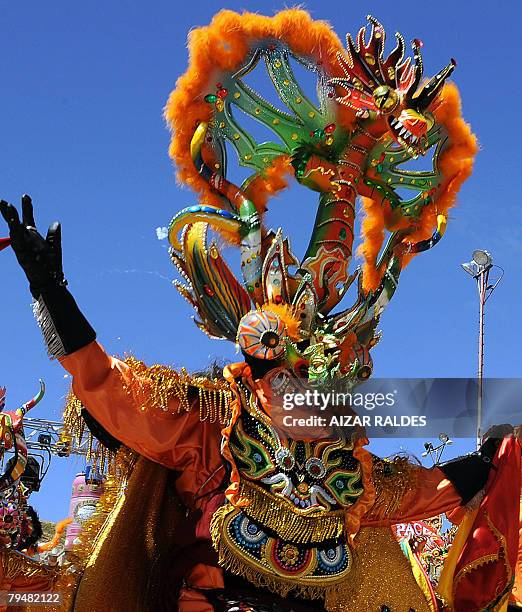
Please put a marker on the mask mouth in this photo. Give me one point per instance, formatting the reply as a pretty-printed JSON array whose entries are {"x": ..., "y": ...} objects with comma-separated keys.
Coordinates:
[{"x": 410, "y": 130}]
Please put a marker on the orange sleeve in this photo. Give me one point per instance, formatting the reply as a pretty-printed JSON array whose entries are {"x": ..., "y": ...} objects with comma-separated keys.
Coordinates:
[
  {"x": 432, "y": 494},
  {"x": 120, "y": 401}
]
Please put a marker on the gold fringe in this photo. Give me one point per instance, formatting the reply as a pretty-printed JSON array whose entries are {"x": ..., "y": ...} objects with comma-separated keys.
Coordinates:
[
  {"x": 164, "y": 383},
  {"x": 282, "y": 516},
  {"x": 258, "y": 575},
  {"x": 392, "y": 480},
  {"x": 76, "y": 433}
]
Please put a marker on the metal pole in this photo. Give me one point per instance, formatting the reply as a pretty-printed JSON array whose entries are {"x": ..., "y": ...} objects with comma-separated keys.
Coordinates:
[
  {"x": 479, "y": 268},
  {"x": 482, "y": 282}
]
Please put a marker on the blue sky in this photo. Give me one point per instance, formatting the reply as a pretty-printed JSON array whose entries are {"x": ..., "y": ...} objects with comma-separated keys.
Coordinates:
[{"x": 81, "y": 128}]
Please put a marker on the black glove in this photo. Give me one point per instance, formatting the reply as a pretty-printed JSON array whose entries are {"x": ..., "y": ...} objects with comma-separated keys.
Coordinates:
[
  {"x": 469, "y": 474},
  {"x": 64, "y": 327},
  {"x": 40, "y": 259}
]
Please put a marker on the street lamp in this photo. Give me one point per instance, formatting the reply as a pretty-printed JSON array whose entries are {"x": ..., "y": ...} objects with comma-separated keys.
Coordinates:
[
  {"x": 435, "y": 452},
  {"x": 479, "y": 268}
]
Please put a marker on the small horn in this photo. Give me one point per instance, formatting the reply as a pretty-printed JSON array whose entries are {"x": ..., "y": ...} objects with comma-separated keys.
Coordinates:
[
  {"x": 433, "y": 87},
  {"x": 24, "y": 409}
]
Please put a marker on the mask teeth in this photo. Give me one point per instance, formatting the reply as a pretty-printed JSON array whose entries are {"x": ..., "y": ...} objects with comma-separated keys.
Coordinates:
[{"x": 432, "y": 89}]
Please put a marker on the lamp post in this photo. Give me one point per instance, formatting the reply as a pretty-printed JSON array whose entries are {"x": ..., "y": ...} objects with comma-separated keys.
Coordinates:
[
  {"x": 479, "y": 268},
  {"x": 435, "y": 452}
]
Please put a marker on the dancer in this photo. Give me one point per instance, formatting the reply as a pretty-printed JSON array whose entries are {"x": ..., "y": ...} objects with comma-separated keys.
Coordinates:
[{"x": 268, "y": 521}]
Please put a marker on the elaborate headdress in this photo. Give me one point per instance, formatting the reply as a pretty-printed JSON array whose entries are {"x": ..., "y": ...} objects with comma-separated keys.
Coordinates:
[
  {"x": 373, "y": 115},
  {"x": 15, "y": 520},
  {"x": 12, "y": 438}
]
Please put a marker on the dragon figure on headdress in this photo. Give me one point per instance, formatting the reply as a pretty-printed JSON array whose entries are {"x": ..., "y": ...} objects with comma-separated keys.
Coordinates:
[{"x": 374, "y": 114}]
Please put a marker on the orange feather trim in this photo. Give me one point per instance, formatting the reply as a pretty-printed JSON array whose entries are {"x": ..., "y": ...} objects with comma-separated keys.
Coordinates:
[
  {"x": 373, "y": 237},
  {"x": 273, "y": 180},
  {"x": 287, "y": 315},
  {"x": 455, "y": 165},
  {"x": 223, "y": 46}
]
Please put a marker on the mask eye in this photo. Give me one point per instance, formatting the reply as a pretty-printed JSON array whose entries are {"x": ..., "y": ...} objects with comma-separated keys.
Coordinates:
[
  {"x": 315, "y": 467},
  {"x": 261, "y": 335},
  {"x": 285, "y": 459},
  {"x": 386, "y": 99}
]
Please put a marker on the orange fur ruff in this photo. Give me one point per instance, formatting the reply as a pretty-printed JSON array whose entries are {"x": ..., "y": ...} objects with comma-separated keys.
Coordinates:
[
  {"x": 223, "y": 46},
  {"x": 455, "y": 164}
]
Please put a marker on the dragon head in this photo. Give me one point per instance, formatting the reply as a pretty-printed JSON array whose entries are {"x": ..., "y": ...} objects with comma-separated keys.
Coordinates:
[{"x": 390, "y": 88}]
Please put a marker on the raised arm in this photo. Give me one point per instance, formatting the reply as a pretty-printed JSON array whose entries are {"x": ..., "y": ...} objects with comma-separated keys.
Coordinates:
[{"x": 116, "y": 397}]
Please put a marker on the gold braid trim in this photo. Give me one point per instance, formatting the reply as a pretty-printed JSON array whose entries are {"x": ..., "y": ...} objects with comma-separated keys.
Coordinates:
[
  {"x": 163, "y": 383},
  {"x": 392, "y": 480},
  {"x": 282, "y": 517},
  {"x": 230, "y": 559}
]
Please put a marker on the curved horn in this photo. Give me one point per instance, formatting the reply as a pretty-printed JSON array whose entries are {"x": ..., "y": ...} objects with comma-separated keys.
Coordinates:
[
  {"x": 433, "y": 87},
  {"x": 424, "y": 245},
  {"x": 250, "y": 223},
  {"x": 419, "y": 66},
  {"x": 19, "y": 448},
  {"x": 221, "y": 220},
  {"x": 24, "y": 409}
]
